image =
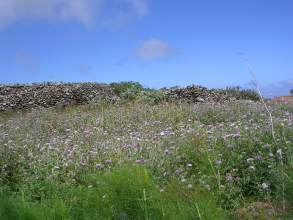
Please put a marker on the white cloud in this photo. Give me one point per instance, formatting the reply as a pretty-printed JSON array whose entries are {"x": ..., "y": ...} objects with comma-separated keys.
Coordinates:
[
  {"x": 154, "y": 49},
  {"x": 86, "y": 12},
  {"x": 140, "y": 6}
]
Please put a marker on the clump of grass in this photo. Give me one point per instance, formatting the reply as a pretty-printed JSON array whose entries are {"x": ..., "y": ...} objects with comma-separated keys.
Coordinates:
[{"x": 125, "y": 193}]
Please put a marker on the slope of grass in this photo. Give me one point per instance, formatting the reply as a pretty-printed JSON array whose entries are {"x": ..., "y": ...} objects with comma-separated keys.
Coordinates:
[{"x": 145, "y": 161}]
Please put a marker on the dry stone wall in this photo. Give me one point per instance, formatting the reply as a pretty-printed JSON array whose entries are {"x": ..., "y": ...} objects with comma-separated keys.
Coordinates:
[
  {"x": 16, "y": 97},
  {"x": 194, "y": 94}
]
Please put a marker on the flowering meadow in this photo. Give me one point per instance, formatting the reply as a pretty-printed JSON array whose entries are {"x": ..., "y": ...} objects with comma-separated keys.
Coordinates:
[{"x": 138, "y": 160}]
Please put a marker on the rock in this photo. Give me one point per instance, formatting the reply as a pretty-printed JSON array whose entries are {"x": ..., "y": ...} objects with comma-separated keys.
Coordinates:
[
  {"x": 18, "y": 97},
  {"x": 193, "y": 94}
]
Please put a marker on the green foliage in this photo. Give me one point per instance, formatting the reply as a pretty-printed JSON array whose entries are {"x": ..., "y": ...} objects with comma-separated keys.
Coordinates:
[
  {"x": 239, "y": 93},
  {"x": 152, "y": 96},
  {"x": 125, "y": 193},
  {"x": 130, "y": 91},
  {"x": 127, "y": 90}
]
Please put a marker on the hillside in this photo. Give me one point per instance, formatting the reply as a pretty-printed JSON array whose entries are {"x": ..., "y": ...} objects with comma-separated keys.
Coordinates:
[{"x": 146, "y": 160}]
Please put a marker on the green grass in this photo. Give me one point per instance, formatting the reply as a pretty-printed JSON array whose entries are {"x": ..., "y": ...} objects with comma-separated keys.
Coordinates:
[
  {"x": 125, "y": 193},
  {"x": 142, "y": 160}
]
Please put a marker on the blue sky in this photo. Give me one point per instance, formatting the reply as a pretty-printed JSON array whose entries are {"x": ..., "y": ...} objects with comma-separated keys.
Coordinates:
[{"x": 156, "y": 42}]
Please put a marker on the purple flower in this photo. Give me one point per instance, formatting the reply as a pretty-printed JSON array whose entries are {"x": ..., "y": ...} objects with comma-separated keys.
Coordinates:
[
  {"x": 178, "y": 171},
  {"x": 108, "y": 161},
  {"x": 259, "y": 157},
  {"x": 237, "y": 178},
  {"x": 140, "y": 161},
  {"x": 229, "y": 178}
]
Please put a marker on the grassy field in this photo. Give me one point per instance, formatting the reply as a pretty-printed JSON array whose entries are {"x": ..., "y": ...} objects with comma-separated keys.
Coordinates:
[{"x": 147, "y": 161}]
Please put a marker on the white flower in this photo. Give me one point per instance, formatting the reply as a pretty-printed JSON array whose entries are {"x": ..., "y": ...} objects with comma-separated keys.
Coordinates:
[
  {"x": 218, "y": 162},
  {"x": 207, "y": 186},
  {"x": 249, "y": 160},
  {"x": 189, "y": 165},
  {"x": 267, "y": 146},
  {"x": 98, "y": 165},
  {"x": 252, "y": 167},
  {"x": 189, "y": 186},
  {"x": 279, "y": 151},
  {"x": 264, "y": 185}
]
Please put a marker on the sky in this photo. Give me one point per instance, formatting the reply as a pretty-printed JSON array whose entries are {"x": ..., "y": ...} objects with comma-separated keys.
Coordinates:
[{"x": 155, "y": 42}]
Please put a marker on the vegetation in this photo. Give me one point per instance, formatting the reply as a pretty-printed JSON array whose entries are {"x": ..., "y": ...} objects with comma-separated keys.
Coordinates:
[
  {"x": 137, "y": 160},
  {"x": 130, "y": 91},
  {"x": 239, "y": 93}
]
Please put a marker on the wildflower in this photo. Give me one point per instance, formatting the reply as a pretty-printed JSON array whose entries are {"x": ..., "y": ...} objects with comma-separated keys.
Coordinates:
[
  {"x": 108, "y": 161},
  {"x": 237, "y": 178},
  {"x": 252, "y": 167},
  {"x": 218, "y": 162},
  {"x": 162, "y": 190},
  {"x": 189, "y": 165},
  {"x": 279, "y": 151},
  {"x": 266, "y": 146},
  {"x": 207, "y": 186},
  {"x": 189, "y": 186},
  {"x": 229, "y": 178},
  {"x": 167, "y": 152},
  {"x": 271, "y": 155},
  {"x": 259, "y": 157},
  {"x": 93, "y": 153},
  {"x": 249, "y": 160},
  {"x": 178, "y": 171},
  {"x": 264, "y": 186},
  {"x": 140, "y": 161},
  {"x": 98, "y": 165}
]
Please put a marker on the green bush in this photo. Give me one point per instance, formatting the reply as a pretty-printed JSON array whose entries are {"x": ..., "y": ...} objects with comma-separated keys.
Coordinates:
[
  {"x": 127, "y": 90},
  {"x": 239, "y": 93},
  {"x": 152, "y": 96}
]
